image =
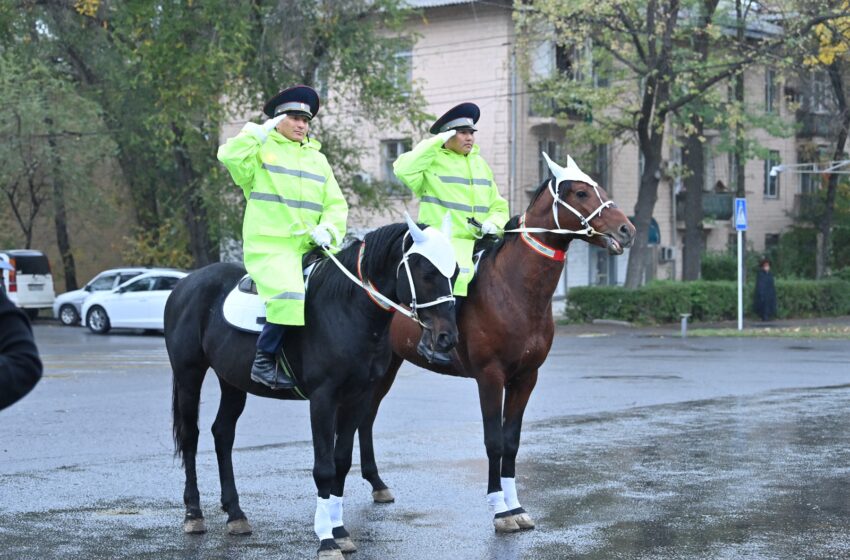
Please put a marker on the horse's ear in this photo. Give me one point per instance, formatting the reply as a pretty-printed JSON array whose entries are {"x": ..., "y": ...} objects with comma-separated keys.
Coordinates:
[
  {"x": 556, "y": 169},
  {"x": 571, "y": 164},
  {"x": 417, "y": 234},
  {"x": 446, "y": 228}
]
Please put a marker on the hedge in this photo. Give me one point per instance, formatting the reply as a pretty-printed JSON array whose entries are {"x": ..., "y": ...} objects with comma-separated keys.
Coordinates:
[{"x": 663, "y": 301}]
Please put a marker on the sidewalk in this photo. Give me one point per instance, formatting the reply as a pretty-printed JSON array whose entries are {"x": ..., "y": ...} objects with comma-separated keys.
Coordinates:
[{"x": 674, "y": 329}]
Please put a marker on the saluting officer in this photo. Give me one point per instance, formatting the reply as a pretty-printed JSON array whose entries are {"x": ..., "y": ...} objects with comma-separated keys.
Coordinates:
[
  {"x": 293, "y": 205},
  {"x": 449, "y": 176}
]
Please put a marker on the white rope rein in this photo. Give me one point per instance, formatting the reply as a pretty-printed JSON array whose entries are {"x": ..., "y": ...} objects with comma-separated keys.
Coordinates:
[{"x": 414, "y": 305}]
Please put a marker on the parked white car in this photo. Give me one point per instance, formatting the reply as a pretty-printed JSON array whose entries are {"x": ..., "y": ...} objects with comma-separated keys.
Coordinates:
[
  {"x": 138, "y": 303},
  {"x": 27, "y": 280},
  {"x": 68, "y": 306}
]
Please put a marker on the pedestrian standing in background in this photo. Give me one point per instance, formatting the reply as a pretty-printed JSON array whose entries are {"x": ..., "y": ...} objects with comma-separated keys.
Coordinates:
[
  {"x": 20, "y": 366},
  {"x": 764, "y": 303}
]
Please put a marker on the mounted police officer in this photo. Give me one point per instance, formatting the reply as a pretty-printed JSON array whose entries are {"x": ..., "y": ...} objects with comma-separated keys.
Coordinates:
[
  {"x": 294, "y": 204},
  {"x": 449, "y": 176}
]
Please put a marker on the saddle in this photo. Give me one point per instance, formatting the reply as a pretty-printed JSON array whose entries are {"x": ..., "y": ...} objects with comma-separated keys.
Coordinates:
[{"x": 243, "y": 308}]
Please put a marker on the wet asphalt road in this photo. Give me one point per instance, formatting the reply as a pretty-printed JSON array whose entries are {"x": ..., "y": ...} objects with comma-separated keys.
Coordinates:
[{"x": 634, "y": 446}]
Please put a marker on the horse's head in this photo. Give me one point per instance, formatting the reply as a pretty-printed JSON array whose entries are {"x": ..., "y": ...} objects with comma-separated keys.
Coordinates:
[
  {"x": 580, "y": 204},
  {"x": 430, "y": 265}
]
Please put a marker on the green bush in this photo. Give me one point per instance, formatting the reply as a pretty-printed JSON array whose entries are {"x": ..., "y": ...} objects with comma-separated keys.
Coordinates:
[
  {"x": 719, "y": 266},
  {"x": 796, "y": 253},
  {"x": 663, "y": 301}
]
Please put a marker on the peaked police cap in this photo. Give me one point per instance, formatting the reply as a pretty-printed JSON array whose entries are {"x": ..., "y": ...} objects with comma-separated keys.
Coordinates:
[
  {"x": 460, "y": 116},
  {"x": 301, "y": 100}
]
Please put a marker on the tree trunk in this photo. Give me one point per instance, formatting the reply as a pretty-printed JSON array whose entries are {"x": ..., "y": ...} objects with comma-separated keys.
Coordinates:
[
  {"x": 195, "y": 213},
  {"x": 639, "y": 254},
  {"x": 837, "y": 80},
  {"x": 694, "y": 160},
  {"x": 740, "y": 142},
  {"x": 60, "y": 219}
]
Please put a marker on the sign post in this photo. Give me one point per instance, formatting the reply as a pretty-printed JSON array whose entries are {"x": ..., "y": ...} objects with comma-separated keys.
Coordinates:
[{"x": 740, "y": 226}]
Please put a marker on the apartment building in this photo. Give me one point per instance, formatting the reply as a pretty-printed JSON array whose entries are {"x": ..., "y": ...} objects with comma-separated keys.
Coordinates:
[{"x": 465, "y": 51}]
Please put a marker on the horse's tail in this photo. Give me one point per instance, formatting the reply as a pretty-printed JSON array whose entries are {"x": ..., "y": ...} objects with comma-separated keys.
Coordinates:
[{"x": 177, "y": 424}]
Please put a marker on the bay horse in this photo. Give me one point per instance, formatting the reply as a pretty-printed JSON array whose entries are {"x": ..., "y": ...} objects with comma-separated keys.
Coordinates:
[
  {"x": 338, "y": 357},
  {"x": 506, "y": 325}
]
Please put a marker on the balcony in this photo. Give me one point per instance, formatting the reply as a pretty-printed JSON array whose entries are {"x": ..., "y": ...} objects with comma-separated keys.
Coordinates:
[
  {"x": 813, "y": 125},
  {"x": 715, "y": 206},
  {"x": 807, "y": 207}
]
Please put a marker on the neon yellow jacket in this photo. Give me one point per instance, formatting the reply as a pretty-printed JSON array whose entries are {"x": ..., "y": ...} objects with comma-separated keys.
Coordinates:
[
  {"x": 446, "y": 181},
  {"x": 289, "y": 186}
]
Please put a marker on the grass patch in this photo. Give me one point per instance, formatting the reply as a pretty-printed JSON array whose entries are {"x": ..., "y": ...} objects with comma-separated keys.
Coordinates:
[{"x": 777, "y": 332}]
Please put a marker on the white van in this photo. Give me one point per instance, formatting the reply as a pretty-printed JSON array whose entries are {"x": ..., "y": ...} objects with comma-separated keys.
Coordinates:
[{"x": 29, "y": 283}]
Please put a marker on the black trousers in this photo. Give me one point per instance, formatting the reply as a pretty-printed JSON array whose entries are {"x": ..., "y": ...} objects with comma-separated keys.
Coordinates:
[{"x": 271, "y": 338}]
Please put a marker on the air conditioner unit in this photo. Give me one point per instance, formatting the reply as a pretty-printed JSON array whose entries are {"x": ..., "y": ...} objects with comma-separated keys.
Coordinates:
[{"x": 665, "y": 254}]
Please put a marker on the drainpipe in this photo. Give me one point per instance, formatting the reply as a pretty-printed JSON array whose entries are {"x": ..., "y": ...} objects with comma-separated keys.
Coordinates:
[{"x": 512, "y": 174}]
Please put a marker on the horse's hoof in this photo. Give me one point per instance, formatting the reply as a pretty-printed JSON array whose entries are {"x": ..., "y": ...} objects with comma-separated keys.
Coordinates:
[
  {"x": 384, "y": 496},
  {"x": 343, "y": 539},
  {"x": 239, "y": 527},
  {"x": 505, "y": 524},
  {"x": 346, "y": 544},
  {"x": 524, "y": 521},
  {"x": 194, "y": 526},
  {"x": 329, "y": 550}
]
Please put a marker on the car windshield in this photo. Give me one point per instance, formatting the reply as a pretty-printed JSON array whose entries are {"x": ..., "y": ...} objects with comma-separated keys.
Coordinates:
[
  {"x": 141, "y": 285},
  {"x": 104, "y": 282}
]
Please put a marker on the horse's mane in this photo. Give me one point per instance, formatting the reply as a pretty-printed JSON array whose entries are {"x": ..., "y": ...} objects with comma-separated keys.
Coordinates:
[
  {"x": 376, "y": 259},
  {"x": 513, "y": 223}
]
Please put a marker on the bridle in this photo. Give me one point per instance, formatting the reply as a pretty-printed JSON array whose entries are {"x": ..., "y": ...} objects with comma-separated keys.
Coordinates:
[
  {"x": 383, "y": 301},
  {"x": 587, "y": 231}
]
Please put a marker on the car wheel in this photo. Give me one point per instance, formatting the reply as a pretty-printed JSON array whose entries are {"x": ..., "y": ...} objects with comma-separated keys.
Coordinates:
[
  {"x": 98, "y": 320},
  {"x": 68, "y": 315}
]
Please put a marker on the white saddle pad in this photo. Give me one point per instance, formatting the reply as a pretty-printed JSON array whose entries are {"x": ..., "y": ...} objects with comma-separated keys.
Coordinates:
[{"x": 245, "y": 310}]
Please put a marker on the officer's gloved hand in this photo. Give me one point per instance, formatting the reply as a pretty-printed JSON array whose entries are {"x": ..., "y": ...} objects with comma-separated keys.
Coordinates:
[
  {"x": 261, "y": 131},
  {"x": 271, "y": 124},
  {"x": 321, "y": 236},
  {"x": 447, "y": 135},
  {"x": 489, "y": 228}
]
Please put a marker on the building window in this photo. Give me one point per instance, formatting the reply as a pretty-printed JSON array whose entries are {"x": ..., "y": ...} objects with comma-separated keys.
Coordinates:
[
  {"x": 732, "y": 179},
  {"x": 403, "y": 70},
  {"x": 553, "y": 150},
  {"x": 771, "y": 182},
  {"x": 810, "y": 182},
  {"x": 771, "y": 242},
  {"x": 390, "y": 150},
  {"x": 821, "y": 93},
  {"x": 600, "y": 167},
  {"x": 770, "y": 91}
]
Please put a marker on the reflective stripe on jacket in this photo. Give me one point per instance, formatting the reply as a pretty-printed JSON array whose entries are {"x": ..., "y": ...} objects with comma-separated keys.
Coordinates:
[
  {"x": 446, "y": 181},
  {"x": 289, "y": 186}
]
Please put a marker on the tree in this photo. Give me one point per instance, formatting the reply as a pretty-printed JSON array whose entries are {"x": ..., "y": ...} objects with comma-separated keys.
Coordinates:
[
  {"x": 168, "y": 74},
  {"x": 832, "y": 53},
  {"x": 43, "y": 149},
  {"x": 649, "y": 40}
]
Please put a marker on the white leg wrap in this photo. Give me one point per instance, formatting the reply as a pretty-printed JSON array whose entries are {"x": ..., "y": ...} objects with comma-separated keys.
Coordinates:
[
  {"x": 496, "y": 501},
  {"x": 335, "y": 510},
  {"x": 509, "y": 488},
  {"x": 322, "y": 520}
]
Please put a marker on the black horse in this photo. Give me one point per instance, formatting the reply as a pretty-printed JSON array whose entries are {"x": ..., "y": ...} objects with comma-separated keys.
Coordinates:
[{"x": 338, "y": 358}]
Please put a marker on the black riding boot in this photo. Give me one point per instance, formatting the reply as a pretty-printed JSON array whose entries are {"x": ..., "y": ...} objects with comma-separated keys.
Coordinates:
[{"x": 265, "y": 369}]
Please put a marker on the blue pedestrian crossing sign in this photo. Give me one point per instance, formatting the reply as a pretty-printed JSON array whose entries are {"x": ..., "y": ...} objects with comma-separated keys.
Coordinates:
[{"x": 740, "y": 214}]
